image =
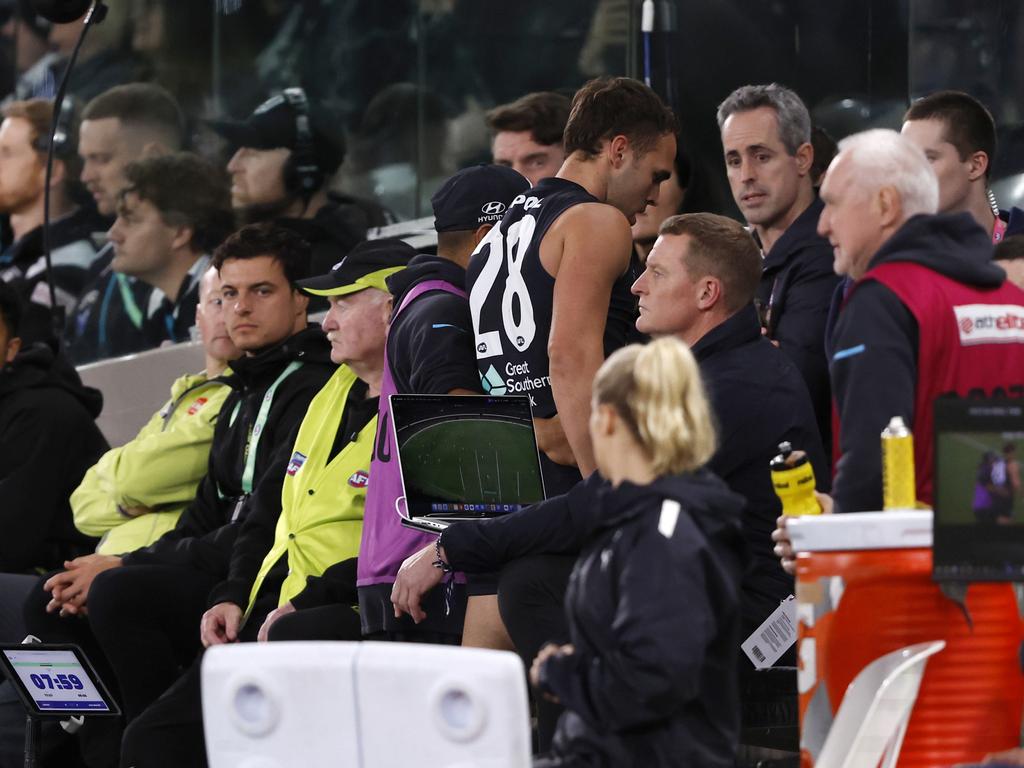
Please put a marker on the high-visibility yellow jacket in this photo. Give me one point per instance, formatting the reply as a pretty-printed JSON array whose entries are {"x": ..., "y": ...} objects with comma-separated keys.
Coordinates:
[
  {"x": 322, "y": 502},
  {"x": 158, "y": 470}
]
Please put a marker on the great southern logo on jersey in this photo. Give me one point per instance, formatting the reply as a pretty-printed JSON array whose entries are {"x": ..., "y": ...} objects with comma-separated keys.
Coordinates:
[
  {"x": 492, "y": 382},
  {"x": 298, "y": 459},
  {"x": 990, "y": 324},
  {"x": 360, "y": 479}
]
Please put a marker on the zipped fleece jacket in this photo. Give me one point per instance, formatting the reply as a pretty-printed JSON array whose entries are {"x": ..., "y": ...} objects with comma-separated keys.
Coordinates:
[{"x": 159, "y": 469}]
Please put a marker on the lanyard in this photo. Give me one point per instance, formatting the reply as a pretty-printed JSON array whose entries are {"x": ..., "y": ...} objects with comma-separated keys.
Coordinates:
[
  {"x": 134, "y": 313},
  {"x": 257, "y": 428},
  {"x": 999, "y": 230}
]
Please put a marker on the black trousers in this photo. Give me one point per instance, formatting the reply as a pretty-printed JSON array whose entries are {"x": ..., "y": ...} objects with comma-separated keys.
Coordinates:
[
  {"x": 531, "y": 599},
  {"x": 327, "y": 622},
  {"x": 146, "y": 620}
]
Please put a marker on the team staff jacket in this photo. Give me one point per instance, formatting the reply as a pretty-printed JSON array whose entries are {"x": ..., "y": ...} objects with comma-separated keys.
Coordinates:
[
  {"x": 795, "y": 294},
  {"x": 208, "y": 527},
  {"x": 752, "y": 420},
  {"x": 48, "y": 439},
  {"x": 158, "y": 470},
  {"x": 933, "y": 316},
  {"x": 119, "y": 315},
  {"x": 72, "y": 255},
  {"x": 317, "y": 519},
  {"x": 653, "y": 605}
]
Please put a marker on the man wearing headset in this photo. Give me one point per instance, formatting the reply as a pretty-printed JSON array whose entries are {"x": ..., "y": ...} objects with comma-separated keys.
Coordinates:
[
  {"x": 285, "y": 157},
  {"x": 24, "y": 141}
]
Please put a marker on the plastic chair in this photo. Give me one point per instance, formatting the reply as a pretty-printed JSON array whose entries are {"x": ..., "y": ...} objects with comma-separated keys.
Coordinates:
[
  {"x": 364, "y": 705},
  {"x": 873, "y": 717}
]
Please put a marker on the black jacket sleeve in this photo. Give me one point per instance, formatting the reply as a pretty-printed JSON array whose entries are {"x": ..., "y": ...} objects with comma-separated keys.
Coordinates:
[
  {"x": 874, "y": 376},
  {"x": 256, "y": 534},
  {"x": 555, "y": 526},
  {"x": 335, "y": 586}
]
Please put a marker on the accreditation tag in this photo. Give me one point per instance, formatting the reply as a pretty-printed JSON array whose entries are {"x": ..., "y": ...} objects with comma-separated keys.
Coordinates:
[{"x": 774, "y": 637}]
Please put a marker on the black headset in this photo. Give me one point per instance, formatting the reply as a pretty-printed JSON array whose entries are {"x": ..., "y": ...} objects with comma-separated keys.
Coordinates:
[
  {"x": 63, "y": 139},
  {"x": 302, "y": 173}
]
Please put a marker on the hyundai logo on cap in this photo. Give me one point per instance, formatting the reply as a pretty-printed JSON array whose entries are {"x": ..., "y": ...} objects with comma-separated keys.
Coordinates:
[{"x": 493, "y": 208}]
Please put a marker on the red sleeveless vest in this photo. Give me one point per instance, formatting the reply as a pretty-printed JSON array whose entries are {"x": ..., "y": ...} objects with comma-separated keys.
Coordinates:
[{"x": 970, "y": 344}]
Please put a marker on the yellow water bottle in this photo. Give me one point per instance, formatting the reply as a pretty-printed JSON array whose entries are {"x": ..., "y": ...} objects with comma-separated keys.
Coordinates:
[
  {"x": 793, "y": 480},
  {"x": 898, "y": 482}
]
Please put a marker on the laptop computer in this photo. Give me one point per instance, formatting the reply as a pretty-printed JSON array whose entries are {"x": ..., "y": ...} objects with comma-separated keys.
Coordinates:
[
  {"x": 464, "y": 457},
  {"x": 979, "y": 511}
]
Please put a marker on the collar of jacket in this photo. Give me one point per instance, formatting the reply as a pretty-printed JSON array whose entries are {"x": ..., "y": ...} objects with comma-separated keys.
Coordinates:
[
  {"x": 701, "y": 493},
  {"x": 37, "y": 367},
  {"x": 737, "y": 330},
  {"x": 307, "y": 346},
  {"x": 802, "y": 231}
]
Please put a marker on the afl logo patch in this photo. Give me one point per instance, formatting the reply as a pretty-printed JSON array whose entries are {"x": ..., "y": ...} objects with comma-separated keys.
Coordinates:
[
  {"x": 298, "y": 459},
  {"x": 360, "y": 479},
  {"x": 194, "y": 408}
]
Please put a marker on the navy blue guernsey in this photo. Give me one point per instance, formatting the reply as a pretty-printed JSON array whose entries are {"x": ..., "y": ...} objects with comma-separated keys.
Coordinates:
[{"x": 511, "y": 297}]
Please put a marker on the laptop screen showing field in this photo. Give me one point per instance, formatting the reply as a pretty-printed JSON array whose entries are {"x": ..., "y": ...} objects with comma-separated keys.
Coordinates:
[
  {"x": 466, "y": 456},
  {"x": 979, "y": 510}
]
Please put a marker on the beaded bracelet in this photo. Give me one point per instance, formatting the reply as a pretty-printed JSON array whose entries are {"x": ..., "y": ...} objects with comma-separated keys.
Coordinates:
[{"x": 439, "y": 563}]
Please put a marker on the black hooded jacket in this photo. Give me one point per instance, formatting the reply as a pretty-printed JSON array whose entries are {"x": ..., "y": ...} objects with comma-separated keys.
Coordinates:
[
  {"x": 430, "y": 345},
  {"x": 795, "y": 292},
  {"x": 654, "y": 617},
  {"x": 875, "y": 344},
  {"x": 207, "y": 529},
  {"x": 48, "y": 439}
]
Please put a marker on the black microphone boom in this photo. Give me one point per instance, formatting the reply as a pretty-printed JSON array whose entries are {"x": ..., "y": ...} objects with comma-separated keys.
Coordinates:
[
  {"x": 61, "y": 11},
  {"x": 97, "y": 11}
]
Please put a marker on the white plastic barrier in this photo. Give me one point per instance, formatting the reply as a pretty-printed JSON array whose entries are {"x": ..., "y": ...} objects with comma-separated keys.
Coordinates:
[{"x": 364, "y": 705}]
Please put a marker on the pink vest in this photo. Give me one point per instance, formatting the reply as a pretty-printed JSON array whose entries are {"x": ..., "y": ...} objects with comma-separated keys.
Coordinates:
[{"x": 386, "y": 543}]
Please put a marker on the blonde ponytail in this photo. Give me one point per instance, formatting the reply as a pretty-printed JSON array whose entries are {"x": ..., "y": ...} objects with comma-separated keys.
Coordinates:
[{"x": 657, "y": 390}]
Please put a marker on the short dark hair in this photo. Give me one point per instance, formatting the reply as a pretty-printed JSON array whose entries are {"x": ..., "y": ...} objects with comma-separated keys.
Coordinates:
[
  {"x": 609, "y": 107},
  {"x": 721, "y": 247},
  {"x": 39, "y": 115},
  {"x": 10, "y": 308},
  {"x": 188, "y": 191},
  {"x": 969, "y": 125},
  {"x": 267, "y": 239},
  {"x": 143, "y": 105},
  {"x": 544, "y": 114}
]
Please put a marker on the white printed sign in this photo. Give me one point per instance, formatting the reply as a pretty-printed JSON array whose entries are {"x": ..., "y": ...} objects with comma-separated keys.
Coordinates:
[
  {"x": 774, "y": 637},
  {"x": 990, "y": 324}
]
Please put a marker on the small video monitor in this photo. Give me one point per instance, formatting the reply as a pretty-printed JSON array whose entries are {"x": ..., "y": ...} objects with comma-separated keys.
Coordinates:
[
  {"x": 979, "y": 509},
  {"x": 56, "y": 681}
]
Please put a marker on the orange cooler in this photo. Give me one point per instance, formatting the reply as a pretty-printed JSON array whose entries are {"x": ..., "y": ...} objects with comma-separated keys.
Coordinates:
[{"x": 854, "y": 606}]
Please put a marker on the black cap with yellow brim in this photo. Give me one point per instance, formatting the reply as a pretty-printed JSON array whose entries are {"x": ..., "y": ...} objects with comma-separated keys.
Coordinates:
[{"x": 368, "y": 265}]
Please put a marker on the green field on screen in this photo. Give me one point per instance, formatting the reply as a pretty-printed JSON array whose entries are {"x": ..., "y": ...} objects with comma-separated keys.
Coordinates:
[
  {"x": 473, "y": 460},
  {"x": 960, "y": 454}
]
